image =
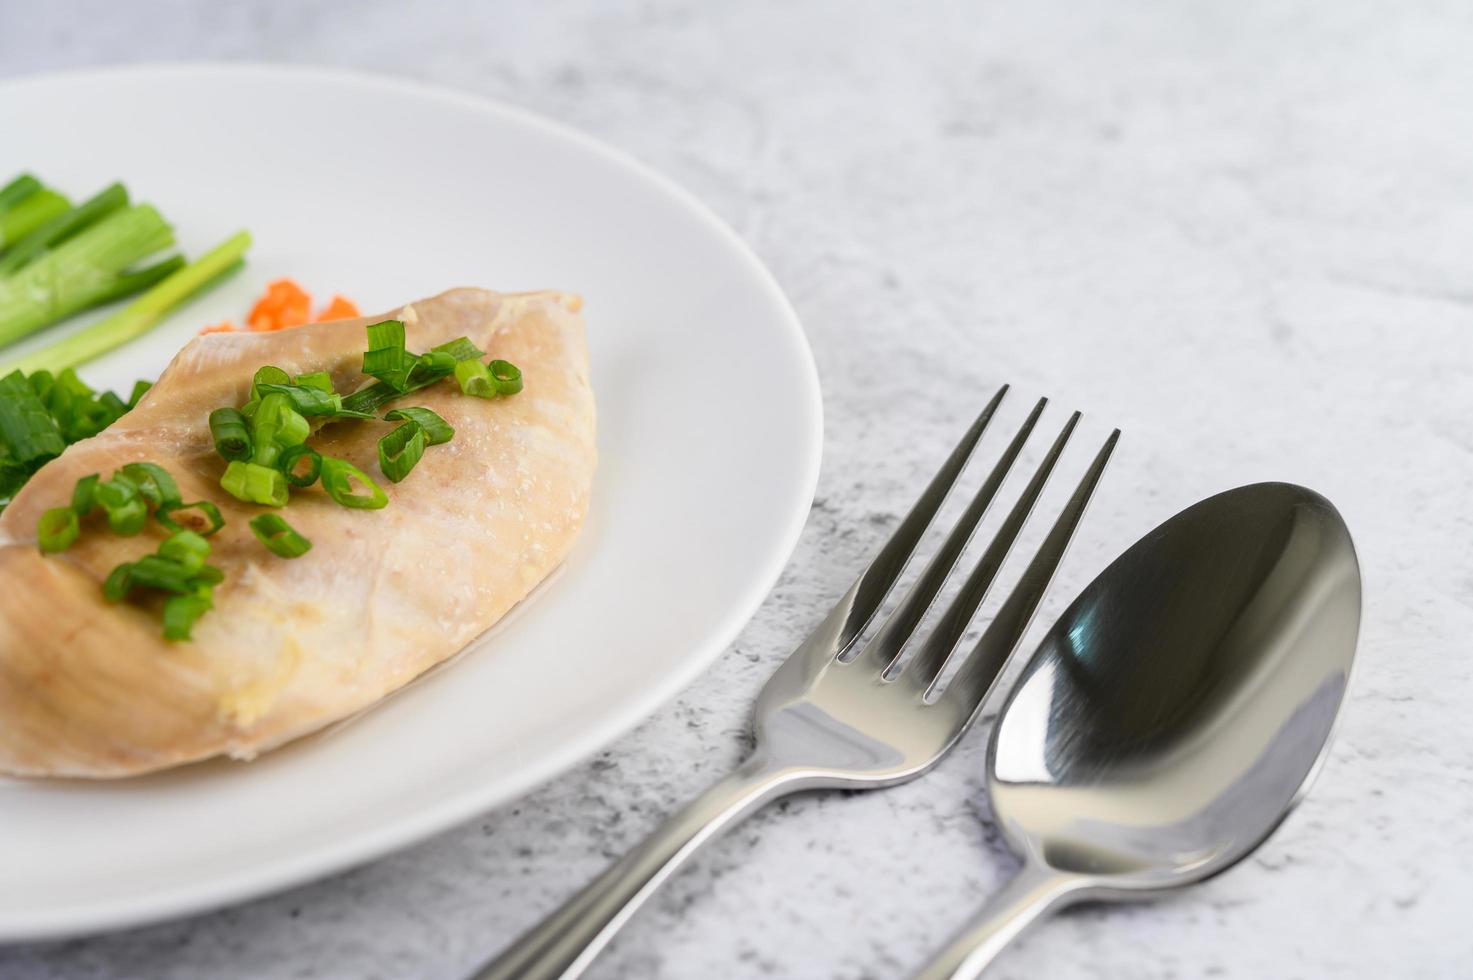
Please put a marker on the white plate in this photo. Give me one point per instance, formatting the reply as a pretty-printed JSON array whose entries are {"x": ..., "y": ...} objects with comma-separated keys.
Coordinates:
[{"x": 709, "y": 439}]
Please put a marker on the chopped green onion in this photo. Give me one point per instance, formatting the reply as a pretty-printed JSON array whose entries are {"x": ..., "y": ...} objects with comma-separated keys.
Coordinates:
[
  {"x": 164, "y": 574},
  {"x": 139, "y": 316},
  {"x": 430, "y": 369},
  {"x": 320, "y": 380},
  {"x": 187, "y": 548},
  {"x": 352, "y": 413},
  {"x": 386, "y": 334},
  {"x": 128, "y": 519},
  {"x": 140, "y": 388},
  {"x": 292, "y": 428},
  {"x": 338, "y": 476},
  {"x": 268, "y": 375},
  {"x": 488, "y": 381},
  {"x": 112, "y": 198},
  {"x": 391, "y": 365},
  {"x": 306, "y": 400},
  {"x": 228, "y": 429},
  {"x": 437, "y": 430},
  {"x": 179, "y": 570},
  {"x": 153, "y": 482},
  {"x": 461, "y": 349},
  {"x": 369, "y": 400},
  {"x": 433, "y": 366},
  {"x": 423, "y": 371},
  {"x": 297, "y": 454},
  {"x": 279, "y": 537},
  {"x": 266, "y": 422},
  {"x": 181, "y": 612},
  {"x": 508, "y": 377},
  {"x": 386, "y": 358},
  {"x": 58, "y": 529},
  {"x": 255, "y": 484},
  {"x": 84, "y": 495},
  {"x": 400, "y": 450},
  {"x": 123, "y": 502},
  {"x": 475, "y": 379},
  {"x": 211, "y": 521},
  {"x": 118, "y": 584}
]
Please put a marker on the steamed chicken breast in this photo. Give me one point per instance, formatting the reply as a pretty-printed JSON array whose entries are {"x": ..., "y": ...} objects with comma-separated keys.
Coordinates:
[{"x": 92, "y": 689}]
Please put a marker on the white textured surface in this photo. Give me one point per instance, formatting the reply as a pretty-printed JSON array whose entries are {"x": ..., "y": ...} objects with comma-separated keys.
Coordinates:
[{"x": 1240, "y": 231}]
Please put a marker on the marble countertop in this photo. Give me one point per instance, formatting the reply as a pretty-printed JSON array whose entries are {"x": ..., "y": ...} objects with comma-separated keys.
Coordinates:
[{"x": 1240, "y": 231}]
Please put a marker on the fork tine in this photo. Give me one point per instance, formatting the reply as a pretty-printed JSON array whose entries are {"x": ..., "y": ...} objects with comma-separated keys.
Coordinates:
[
  {"x": 885, "y": 646},
  {"x": 989, "y": 657},
  {"x": 864, "y": 597},
  {"x": 953, "y": 622}
]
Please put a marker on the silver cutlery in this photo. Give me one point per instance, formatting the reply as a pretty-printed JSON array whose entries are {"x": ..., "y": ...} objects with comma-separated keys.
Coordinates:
[
  {"x": 1175, "y": 713},
  {"x": 843, "y": 714}
]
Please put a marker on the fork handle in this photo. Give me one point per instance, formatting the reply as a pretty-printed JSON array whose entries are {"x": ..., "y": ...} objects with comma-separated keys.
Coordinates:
[
  {"x": 1022, "y": 901},
  {"x": 564, "y": 943}
]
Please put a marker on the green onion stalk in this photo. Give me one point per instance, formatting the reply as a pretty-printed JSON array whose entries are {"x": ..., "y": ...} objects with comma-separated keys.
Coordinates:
[
  {"x": 63, "y": 225},
  {"x": 139, "y": 316},
  {"x": 32, "y": 212},
  {"x": 79, "y": 272}
]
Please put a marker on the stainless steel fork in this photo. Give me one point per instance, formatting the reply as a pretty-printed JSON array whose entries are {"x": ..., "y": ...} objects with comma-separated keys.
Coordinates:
[{"x": 829, "y": 719}]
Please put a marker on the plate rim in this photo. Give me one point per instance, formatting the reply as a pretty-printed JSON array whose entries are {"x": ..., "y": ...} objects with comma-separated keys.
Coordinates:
[{"x": 299, "y": 868}]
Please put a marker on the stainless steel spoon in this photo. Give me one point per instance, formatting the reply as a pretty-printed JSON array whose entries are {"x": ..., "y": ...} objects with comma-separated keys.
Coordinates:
[{"x": 1175, "y": 713}]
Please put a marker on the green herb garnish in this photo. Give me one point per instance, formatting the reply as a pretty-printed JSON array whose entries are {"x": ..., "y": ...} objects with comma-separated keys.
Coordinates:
[
  {"x": 386, "y": 358},
  {"x": 279, "y": 537},
  {"x": 177, "y": 569},
  {"x": 154, "y": 483},
  {"x": 292, "y": 465},
  {"x": 488, "y": 380},
  {"x": 338, "y": 478},
  {"x": 208, "y": 523},
  {"x": 436, "y": 429},
  {"x": 400, "y": 450},
  {"x": 58, "y": 529},
  {"x": 255, "y": 483},
  {"x": 180, "y": 614},
  {"x": 187, "y": 549},
  {"x": 228, "y": 430},
  {"x": 123, "y": 503}
]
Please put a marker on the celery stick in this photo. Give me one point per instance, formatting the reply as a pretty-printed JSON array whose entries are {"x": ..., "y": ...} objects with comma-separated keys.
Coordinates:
[
  {"x": 73, "y": 275},
  {"x": 112, "y": 198},
  {"x": 18, "y": 190},
  {"x": 141, "y": 315},
  {"x": 29, "y": 215}
]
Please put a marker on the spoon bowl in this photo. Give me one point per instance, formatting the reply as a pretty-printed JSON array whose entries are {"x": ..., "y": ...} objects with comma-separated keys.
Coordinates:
[{"x": 1176, "y": 712}]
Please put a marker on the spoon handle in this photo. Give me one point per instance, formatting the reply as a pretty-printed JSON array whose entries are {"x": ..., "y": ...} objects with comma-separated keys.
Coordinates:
[{"x": 1026, "y": 898}]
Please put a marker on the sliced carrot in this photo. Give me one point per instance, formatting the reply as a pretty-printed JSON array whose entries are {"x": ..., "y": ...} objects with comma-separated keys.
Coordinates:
[
  {"x": 284, "y": 304},
  {"x": 340, "y": 308}
]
